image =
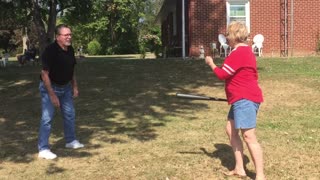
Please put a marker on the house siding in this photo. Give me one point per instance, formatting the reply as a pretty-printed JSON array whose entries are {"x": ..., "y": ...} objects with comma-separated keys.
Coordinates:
[
  {"x": 207, "y": 18},
  {"x": 306, "y": 26},
  {"x": 265, "y": 19}
]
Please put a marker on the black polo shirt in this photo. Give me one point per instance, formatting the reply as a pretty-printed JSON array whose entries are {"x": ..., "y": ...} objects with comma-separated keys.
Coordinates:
[{"x": 59, "y": 63}]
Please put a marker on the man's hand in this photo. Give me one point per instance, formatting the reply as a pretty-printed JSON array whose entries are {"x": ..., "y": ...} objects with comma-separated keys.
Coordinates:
[
  {"x": 75, "y": 92},
  {"x": 75, "y": 86},
  {"x": 54, "y": 100},
  {"x": 47, "y": 83}
]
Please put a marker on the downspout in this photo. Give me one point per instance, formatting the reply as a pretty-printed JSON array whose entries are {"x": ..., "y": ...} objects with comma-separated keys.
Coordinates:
[
  {"x": 183, "y": 31},
  {"x": 286, "y": 29},
  {"x": 291, "y": 39}
]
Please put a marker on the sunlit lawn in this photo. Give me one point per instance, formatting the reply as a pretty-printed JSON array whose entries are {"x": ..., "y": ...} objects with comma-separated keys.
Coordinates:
[{"x": 134, "y": 127}]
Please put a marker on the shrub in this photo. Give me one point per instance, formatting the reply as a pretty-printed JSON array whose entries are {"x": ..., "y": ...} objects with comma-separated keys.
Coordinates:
[
  {"x": 150, "y": 43},
  {"x": 94, "y": 47}
]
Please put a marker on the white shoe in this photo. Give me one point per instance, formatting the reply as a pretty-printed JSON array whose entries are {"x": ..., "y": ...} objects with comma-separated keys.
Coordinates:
[
  {"x": 75, "y": 144},
  {"x": 47, "y": 154}
]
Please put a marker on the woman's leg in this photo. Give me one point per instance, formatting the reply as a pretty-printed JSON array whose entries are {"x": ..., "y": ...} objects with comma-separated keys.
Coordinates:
[
  {"x": 237, "y": 148},
  {"x": 255, "y": 150}
]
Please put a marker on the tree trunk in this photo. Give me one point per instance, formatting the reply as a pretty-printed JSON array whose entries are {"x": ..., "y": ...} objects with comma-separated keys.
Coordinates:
[
  {"x": 52, "y": 19},
  {"x": 44, "y": 38}
]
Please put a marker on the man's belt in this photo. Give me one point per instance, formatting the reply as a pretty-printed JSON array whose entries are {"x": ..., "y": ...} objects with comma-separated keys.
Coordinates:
[{"x": 59, "y": 85}]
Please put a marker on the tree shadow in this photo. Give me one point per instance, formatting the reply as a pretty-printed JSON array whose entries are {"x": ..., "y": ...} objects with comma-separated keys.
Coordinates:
[
  {"x": 53, "y": 169},
  {"x": 117, "y": 97}
]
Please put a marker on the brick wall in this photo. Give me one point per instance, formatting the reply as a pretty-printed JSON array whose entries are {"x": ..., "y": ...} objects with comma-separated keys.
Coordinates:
[
  {"x": 306, "y": 26},
  {"x": 208, "y": 19},
  {"x": 265, "y": 19}
]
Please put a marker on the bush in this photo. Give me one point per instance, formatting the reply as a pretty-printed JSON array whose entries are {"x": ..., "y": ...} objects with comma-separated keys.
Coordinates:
[
  {"x": 150, "y": 43},
  {"x": 94, "y": 47}
]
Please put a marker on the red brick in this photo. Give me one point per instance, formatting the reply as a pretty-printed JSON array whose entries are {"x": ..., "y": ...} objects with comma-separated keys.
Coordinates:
[{"x": 207, "y": 19}]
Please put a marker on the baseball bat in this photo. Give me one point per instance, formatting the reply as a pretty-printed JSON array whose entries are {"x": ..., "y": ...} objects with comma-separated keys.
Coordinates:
[{"x": 198, "y": 97}]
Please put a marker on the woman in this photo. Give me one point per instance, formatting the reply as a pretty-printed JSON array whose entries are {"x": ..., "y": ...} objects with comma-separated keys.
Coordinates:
[{"x": 239, "y": 71}]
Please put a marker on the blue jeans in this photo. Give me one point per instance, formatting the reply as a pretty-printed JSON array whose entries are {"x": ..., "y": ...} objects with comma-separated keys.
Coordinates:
[{"x": 64, "y": 93}]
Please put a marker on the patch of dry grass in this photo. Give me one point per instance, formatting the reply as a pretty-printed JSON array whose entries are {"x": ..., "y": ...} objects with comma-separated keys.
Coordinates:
[{"x": 134, "y": 128}]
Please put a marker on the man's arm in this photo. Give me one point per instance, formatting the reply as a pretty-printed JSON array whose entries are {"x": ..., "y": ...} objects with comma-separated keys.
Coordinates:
[
  {"x": 75, "y": 86},
  {"x": 47, "y": 83}
]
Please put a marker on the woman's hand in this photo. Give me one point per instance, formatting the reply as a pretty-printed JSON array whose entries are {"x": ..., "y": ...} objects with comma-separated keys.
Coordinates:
[{"x": 210, "y": 62}]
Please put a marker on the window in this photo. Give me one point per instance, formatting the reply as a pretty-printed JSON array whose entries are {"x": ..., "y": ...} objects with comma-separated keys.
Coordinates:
[{"x": 238, "y": 10}]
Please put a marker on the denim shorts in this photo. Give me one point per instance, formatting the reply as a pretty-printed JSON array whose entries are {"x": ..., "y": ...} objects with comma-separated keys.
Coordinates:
[{"x": 244, "y": 113}]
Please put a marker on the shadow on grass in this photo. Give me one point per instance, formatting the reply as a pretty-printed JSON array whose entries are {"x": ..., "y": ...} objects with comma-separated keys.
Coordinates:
[
  {"x": 224, "y": 152},
  {"x": 53, "y": 169},
  {"x": 119, "y": 100}
]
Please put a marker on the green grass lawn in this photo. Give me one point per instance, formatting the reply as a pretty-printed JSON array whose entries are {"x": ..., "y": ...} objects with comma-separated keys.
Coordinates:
[{"x": 134, "y": 127}]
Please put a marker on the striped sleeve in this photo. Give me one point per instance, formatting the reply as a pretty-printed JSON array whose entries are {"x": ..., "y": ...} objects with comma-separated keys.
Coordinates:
[
  {"x": 224, "y": 72},
  {"x": 231, "y": 64},
  {"x": 228, "y": 69}
]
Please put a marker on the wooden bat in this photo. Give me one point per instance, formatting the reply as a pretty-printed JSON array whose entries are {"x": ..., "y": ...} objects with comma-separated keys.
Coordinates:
[{"x": 198, "y": 97}]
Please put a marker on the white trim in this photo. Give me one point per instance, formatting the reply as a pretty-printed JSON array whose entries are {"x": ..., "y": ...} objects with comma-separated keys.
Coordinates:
[
  {"x": 247, "y": 9},
  {"x": 227, "y": 71},
  {"x": 232, "y": 70},
  {"x": 183, "y": 30}
]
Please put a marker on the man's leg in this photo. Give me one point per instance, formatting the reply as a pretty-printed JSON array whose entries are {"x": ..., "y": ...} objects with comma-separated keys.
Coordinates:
[
  {"x": 68, "y": 113},
  {"x": 46, "y": 118}
]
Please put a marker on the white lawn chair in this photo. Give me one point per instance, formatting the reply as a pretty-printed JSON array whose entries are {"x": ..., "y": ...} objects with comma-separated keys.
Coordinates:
[
  {"x": 223, "y": 45},
  {"x": 257, "y": 44},
  {"x": 4, "y": 59}
]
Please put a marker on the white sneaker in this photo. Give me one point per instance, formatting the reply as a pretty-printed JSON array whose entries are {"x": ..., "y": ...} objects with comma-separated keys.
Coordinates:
[
  {"x": 47, "y": 154},
  {"x": 75, "y": 144}
]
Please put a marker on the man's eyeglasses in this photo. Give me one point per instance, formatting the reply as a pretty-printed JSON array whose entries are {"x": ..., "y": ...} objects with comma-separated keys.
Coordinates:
[{"x": 66, "y": 35}]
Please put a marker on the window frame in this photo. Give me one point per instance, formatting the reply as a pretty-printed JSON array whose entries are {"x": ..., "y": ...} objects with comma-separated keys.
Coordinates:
[{"x": 246, "y": 3}]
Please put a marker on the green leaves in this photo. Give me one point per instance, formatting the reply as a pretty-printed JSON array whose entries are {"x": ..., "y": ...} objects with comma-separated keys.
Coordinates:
[{"x": 115, "y": 24}]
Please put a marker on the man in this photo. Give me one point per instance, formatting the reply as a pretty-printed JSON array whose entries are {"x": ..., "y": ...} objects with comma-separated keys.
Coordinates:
[{"x": 57, "y": 87}]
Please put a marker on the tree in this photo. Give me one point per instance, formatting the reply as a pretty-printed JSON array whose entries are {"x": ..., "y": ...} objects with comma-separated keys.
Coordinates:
[
  {"x": 41, "y": 8},
  {"x": 12, "y": 18},
  {"x": 115, "y": 24},
  {"x": 41, "y": 13},
  {"x": 150, "y": 32},
  {"x": 12, "y": 21}
]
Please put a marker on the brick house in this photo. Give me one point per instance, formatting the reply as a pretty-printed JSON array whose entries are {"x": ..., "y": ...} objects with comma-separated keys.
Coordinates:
[{"x": 289, "y": 27}]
